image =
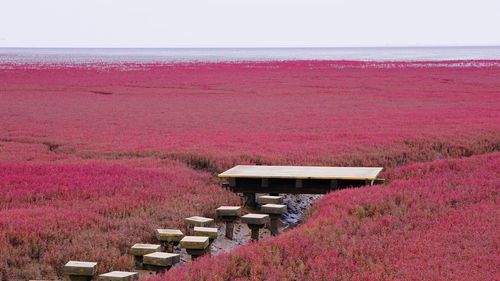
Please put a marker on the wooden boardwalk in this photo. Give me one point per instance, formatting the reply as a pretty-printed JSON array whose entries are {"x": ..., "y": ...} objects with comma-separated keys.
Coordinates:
[{"x": 296, "y": 179}]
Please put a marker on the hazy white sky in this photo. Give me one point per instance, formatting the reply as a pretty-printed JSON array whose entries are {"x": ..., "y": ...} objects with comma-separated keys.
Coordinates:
[{"x": 248, "y": 23}]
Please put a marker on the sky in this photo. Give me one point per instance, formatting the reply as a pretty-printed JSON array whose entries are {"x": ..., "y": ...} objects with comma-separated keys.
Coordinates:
[{"x": 248, "y": 23}]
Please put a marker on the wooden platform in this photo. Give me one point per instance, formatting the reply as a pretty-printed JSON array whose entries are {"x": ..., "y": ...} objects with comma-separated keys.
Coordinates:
[{"x": 296, "y": 179}]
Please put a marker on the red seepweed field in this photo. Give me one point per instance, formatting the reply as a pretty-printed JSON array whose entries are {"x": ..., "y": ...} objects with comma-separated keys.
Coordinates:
[
  {"x": 435, "y": 221},
  {"x": 93, "y": 157}
]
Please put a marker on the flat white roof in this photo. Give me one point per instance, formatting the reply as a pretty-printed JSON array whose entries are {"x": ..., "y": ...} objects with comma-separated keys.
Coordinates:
[{"x": 302, "y": 172}]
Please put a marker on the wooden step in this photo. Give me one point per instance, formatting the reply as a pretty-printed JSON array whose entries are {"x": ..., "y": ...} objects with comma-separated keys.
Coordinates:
[
  {"x": 119, "y": 276},
  {"x": 255, "y": 219},
  {"x": 274, "y": 209},
  {"x": 228, "y": 211},
  {"x": 161, "y": 259},
  {"x": 169, "y": 235},
  {"x": 144, "y": 249},
  {"x": 269, "y": 199},
  {"x": 80, "y": 268},
  {"x": 199, "y": 221},
  {"x": 194, "y": 242},
  {"x": 210, "y": 232}
]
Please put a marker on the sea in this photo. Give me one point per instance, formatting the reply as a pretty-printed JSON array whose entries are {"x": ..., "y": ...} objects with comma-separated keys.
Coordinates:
[{"x": 169, "y": 55}]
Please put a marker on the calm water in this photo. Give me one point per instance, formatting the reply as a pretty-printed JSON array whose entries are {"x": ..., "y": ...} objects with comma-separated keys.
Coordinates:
[{"x": 10, "y": 55}]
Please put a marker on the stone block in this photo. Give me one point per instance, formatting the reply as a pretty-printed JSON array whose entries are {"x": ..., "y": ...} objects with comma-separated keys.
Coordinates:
[
  {"x": 119, "y": 276},
  {"x": 210, "y": 232},
  {"x": 228, "y": 211},
  {"x": 169, "y": 235},
  {"x": 199, "y": 221},
  {"x": 80, "y": 268},
  {"x": 275, "y": 209},
  {"x": 144, "y": 249},
  {"x": 161, "y": 259},
  {"x": 269, "y": 199},
  {"x": 194, "y": 242},
  {"x": 256, "y": 219}
]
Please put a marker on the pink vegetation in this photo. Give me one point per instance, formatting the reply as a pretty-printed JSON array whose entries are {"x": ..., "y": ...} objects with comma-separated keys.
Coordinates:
[
  {"x": 276, "y": 112},
  {"x": 92, "y": 158},
  {"x": 51, "y": 213},
  {"x": 435, "y": 221}
]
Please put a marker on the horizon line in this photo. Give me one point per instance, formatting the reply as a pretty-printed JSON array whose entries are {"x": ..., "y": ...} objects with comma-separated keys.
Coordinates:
[{"x": 275, "y": 47}]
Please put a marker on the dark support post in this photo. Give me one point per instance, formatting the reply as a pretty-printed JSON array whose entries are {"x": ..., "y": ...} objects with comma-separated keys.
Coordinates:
[
  {"x": 274, "y": 224},
  {"x": 334, "y": 184},
  {"x": 255, "y": 230},
  {"x": 197, "y": 253},
  {"x": 229, "y": 229},
  {"x": 250, "y": 199}
]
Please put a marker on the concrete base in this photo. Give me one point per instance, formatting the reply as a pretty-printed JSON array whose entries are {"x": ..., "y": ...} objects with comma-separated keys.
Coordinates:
[
  {"x": 255, "y": 230},
  {"x": 168, "y": 246},
  {"x": 274, "y": 224},
  {"x": 138, "y": 261},
  {"x": 79, "y": 278},
  {"x": 229, "y": 229},
  {"x": 250, "y": 200},
  {"x": 197, "y": 253},
  {"x": 156, "y": 268}
]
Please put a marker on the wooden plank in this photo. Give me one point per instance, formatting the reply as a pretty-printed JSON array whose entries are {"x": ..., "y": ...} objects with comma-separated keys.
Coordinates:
[
  {"x": 119, "y": 276},
  {"x": 161, "y": 259},
  {"x": 255, "y": 218},
  {"x": 210, "y": 232},
  {"x": 302, "y": 172},
  {"x": 194, "y": 242},
  {"x": 170, "y": 235},
  {"x": 144, "y": 249},
  {"x": 80, "y": 268}
]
